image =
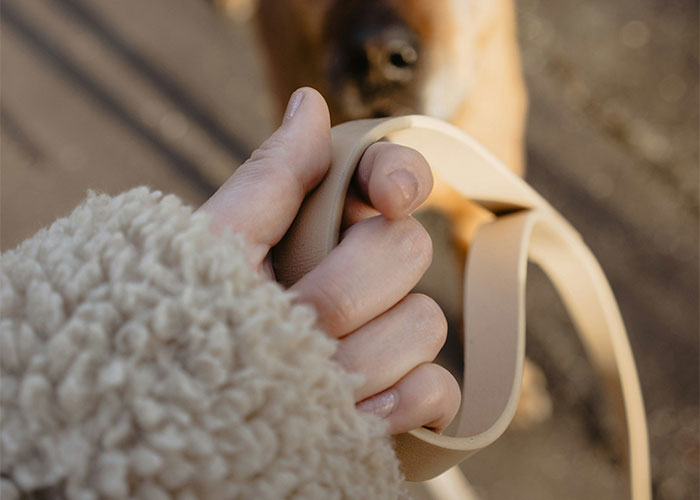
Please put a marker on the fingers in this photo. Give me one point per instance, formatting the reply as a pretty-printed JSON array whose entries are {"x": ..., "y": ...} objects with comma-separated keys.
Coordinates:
[
  {"x": 394, "y": 352},
  {"x": 392, "y": 180},
  {"x": 376, "y": 264},
  {"x": 261, "y": 199},
  {"x": 428, "y": 396},
  {"x": 389, "y": 347},
  {"x": 379, "y": 260}
]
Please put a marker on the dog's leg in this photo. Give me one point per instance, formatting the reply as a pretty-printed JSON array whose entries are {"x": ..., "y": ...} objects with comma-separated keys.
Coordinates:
[{"x": 494, "y": 113}]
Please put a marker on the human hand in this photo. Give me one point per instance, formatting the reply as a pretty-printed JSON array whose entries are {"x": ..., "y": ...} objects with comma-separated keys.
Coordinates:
[{"x": 361, "y": 289}]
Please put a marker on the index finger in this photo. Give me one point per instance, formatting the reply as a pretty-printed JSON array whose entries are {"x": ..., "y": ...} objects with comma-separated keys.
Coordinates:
[{"x": 390, "y": 179}]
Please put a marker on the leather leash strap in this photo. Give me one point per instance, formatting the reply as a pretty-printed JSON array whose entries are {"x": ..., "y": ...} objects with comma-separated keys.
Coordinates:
[{"x": 526, "y": 227}]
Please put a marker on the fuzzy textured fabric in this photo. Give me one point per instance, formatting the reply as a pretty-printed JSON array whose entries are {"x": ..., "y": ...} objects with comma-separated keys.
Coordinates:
[{"x": 142, "y": 357}]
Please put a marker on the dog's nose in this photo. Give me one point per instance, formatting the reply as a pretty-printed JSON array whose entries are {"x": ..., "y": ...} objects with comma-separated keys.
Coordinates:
[{"x": 381, "y": 57}]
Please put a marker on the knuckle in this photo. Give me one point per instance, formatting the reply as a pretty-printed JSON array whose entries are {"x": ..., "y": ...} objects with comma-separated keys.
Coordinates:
[
  {"x": 272, "y": 148},
  {"x": 444, "y": 388},
  {"x": 336, "y": 308},
  {"x": 420, "y": 245},
  {"x": 437, "y": 381},
  {"x": 345, "y": 358},
  {"x": 433, "y": 321},
  {"x": 268, "y": 163}
]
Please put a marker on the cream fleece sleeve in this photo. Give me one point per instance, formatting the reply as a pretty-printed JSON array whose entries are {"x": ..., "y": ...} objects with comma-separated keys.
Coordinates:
[{"x": 141, "y": 357}]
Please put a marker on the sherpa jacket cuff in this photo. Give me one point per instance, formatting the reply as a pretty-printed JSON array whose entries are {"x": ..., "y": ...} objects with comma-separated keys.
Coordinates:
[{"x": 142, "y": 357}]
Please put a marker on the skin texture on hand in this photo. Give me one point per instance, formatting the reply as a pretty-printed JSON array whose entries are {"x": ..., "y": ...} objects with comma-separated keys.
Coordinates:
[{"x": 361, "y": 290}]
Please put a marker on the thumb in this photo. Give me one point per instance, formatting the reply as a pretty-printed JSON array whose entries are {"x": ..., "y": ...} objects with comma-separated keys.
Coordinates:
[{"x": 261, "y": 199}]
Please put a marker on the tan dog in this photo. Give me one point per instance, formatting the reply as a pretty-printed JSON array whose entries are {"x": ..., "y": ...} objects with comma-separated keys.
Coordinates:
[{"x": 457, "y": 60}]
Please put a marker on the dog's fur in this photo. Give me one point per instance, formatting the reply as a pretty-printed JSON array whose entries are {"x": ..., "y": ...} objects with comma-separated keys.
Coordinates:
[
  {"x": 467, "y": 69},
  {"x": 463, "y": 66}
]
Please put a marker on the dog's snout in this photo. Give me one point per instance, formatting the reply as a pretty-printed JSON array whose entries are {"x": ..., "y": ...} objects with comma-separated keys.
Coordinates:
[
  {"x": 381, "y": 57},
  {"x": 376, "y": 60}
]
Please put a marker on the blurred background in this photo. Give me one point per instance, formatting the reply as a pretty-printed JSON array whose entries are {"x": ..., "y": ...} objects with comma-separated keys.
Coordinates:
[{"x": 108, "y": 95}]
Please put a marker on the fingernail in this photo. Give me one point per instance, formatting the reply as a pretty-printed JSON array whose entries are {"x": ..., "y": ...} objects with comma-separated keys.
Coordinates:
[
  {"x": 293, "y": 105},
  {"x": 407, "y": 184},
  {"x": 381, "y": 405}
]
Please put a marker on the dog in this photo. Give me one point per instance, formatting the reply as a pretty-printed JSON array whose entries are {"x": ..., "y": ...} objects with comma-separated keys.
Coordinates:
[{"x": 457, "y": 60}]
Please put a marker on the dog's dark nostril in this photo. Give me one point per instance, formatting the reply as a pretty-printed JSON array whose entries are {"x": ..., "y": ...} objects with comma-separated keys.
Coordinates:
[
  {"x": 403, "y": 56},
  {"x": 381, "y": 56}
]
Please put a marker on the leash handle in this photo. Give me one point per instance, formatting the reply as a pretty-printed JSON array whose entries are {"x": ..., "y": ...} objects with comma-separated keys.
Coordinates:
[{"x": 526, "y": 227}]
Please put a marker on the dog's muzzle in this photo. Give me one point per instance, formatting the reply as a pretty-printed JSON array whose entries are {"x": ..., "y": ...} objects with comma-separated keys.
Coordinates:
[
  {"x": 374, "y": 65},
  {"x": 381, "y": 58}
]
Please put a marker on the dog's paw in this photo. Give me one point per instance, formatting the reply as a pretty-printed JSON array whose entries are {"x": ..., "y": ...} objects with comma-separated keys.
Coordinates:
[{"x": 535, "y": 405}]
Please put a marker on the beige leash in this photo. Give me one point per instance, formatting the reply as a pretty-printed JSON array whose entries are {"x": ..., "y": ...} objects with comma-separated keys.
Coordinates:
[{"x": 526, "y": 227}]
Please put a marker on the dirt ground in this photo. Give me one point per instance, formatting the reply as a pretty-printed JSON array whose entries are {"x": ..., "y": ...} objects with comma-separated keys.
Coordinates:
[{"x": 109, "y": 95}]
